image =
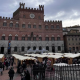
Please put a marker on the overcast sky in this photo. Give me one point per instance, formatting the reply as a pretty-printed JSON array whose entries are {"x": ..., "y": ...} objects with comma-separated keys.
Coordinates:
[{"x": 66, "y": 10}]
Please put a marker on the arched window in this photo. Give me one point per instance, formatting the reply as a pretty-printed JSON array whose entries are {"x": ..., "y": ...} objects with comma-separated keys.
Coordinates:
[
  {"x": 28, "y": 47},
  {"x": 15, "y": 49},
  {"x": 22, "y": 49},
  {"x": 10, "y": 37},
  {"x": 47, "y": 48},
  {"x": 34, "y": 48},
  {"x": 40, "y": 48}
]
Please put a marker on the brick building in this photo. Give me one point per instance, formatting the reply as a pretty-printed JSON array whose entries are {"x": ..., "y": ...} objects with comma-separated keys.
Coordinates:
[{"x": 28, "y": 30}]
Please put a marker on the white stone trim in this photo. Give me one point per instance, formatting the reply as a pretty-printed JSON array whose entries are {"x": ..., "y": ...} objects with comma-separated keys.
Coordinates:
[
  {"x": 3, "y": 34},
  {"x": 10, "y": 35}
]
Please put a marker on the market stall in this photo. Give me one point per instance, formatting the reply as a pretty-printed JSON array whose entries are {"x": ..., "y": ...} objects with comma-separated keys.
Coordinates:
[{"x": 2, "y": 57}]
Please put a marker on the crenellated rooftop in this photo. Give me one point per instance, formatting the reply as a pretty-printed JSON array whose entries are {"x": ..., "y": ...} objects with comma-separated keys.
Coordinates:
[
  {"x": 8, "y": 18},
  {"x": 49, "y": 21}
]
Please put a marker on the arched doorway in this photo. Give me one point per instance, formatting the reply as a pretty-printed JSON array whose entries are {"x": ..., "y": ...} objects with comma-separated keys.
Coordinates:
[
  {"x": 34, "y": 48},
  {"x": 28, "y": 47},
  {"x": 40, "y": 48},
  {"x": 53, "y": 49},
  {"x": 2, "y": 50}
]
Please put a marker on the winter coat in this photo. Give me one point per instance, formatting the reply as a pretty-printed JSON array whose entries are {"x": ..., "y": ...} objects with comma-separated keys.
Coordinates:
[{"x": 11, "y": 73}]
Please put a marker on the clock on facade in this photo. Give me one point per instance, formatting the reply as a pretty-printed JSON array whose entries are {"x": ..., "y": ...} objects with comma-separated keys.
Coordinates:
[{"x": 32, "y": 15}]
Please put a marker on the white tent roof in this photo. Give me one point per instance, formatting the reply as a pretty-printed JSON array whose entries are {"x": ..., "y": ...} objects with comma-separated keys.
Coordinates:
[
  {"x": 60, "y": 64},
  {"x": 1, "y": 55},
  {"x": 22, "y": 57},
  {"x": 54, "y": 56}
]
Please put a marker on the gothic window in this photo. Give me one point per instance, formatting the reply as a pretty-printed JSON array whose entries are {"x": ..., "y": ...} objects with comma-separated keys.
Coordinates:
[
  {"x": 40, "y": 26},
  {"x": 15, "y": 49},
  {"x": 59, "y": 48},
  {"x": 16, "y": 37},
  {"x": 22, "y": 49},
  {"x": 29, "y": 25},
  {"x": 3, "y": 38},
  {"x": 40, "y": 48},
  {"x": 57, "y": 26},
  {"x": 52, "y": 26},
  {"x": 52, "y": 38},
  {"x": 34, "y": 48},
  {"x": 46, "y": 38},
  {"x": 58, "y": 38},
  {"x": 9, "y": 37},
  {"x": 23, "y": 25},
  {"x": 11, "y": 24},
  {"x": 29, "y": 38},
  {"x": 46, "y": 27},
  {"x": 16, "y": 25},
  {"x": 40, "y": 38},
  {"x": 34, "y": 38},
  {"x": 23, "y": 38},
  {"x": 34, "y": 26},
  {"x": 4, "y": 23}
]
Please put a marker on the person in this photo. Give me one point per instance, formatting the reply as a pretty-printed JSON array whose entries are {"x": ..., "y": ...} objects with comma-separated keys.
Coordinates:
[
  {"x": 27, "y": 75},
  {"x": 11, "y": 73},
  {"x": 1, "y": 68}
]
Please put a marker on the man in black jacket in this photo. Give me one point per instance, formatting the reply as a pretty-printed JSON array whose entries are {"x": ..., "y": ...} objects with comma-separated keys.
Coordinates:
[{"x": 11, "y": 73}]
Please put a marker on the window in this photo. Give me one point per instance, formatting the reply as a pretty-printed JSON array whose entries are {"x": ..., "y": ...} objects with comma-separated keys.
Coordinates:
[
  {"x": 11, "y": 24},
  {"x": 57, "y": 26},
  {"x": 34, "y": 38},
  {"x": 69, "y": 39},
  {"x": 47, "y": 39},
  {"x": 76, "y": 39},
  {"x": 52, "y": 38},
  {"x": 79, "y": 38},
  {"x": 34, "y": 26},
  {"x": 72, "y": 39},
  {"x": 40, "y": 38},
  {"x": 22, "y": 49},
  {"x": 58, "y": 38},
  {"x": 15, "y": 49},
  {"x": 16, "y": 37},
  {"x": 47, "y": 48},
  {"x": 34, "y": 48},
  {"x": 16, "y": 25},
  {"x": 40, "y": 26},
  {"x": 46, "y": 26},
  {"x": 40, "y": 48},
  {"x": 29, "y": 25},
  {"x": 74, "y": 48},
  {"x": 24, "y": 16},
  {"x": 28, "y": 47},
  {"x": 39, "y": 17},
  {"x": 3, "y": 38},
  {"x": 52, "y": 27},
  {"x": 23, "y": 25},
  {"x": 29, "y": 38},
  {"x": 9, "y": 37},
  {"x": 4, "y": 23},
  {"x": 23, "y": 38},
  {"x": 69, "y": 48},
  {"x": 59, "y": 48}
]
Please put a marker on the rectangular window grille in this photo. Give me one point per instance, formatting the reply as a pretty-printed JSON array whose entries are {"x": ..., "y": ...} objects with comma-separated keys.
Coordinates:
[
  {"x": 4, "y": 24},
  {"x": 52, "y": 38},
  {"x": 52, "y": 27},
  {"x": 23, "y": 25},
  {"x": 34, "y": 38},
  {"x": 46, "y": 27},
  {"x": 10, "y": 38},
  {"x": 16, "y": 37},
  {"x": 3, "y": 38},
  {"x": 57, "y": 26},
  {"x": 47, "y": 39},
  {"x": 29, "y": 38},
  {"x": 40, "y": 26},
  {"x": 58, "y": 38},
  {"x": 11, "y": 24},
  {"x": 23, "y": 38},
  {"x": 17, "y": 25},
  {"x": 34, "y": 26},
  {"x": 29, "y": 25},
  {"x": 40, "y": 38}
]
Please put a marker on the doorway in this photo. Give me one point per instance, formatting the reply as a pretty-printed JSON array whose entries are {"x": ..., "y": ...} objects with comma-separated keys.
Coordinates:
[
  {"x": 9, "y": 50},
  {"x": 2, "y": 50}
]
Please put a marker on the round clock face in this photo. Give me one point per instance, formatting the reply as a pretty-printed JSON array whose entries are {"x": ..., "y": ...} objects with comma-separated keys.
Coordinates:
[{"x": 32, "y": 15}]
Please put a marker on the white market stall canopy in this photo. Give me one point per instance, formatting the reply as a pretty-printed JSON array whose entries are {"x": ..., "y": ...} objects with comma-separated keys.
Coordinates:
[
  {"x": 23, "y": 57},
  {"x": 1, "y": 56}
]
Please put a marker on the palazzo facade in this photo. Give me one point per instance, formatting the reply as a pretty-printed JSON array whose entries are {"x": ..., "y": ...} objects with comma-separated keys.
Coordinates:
[{"x": 28, "y": 30}]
